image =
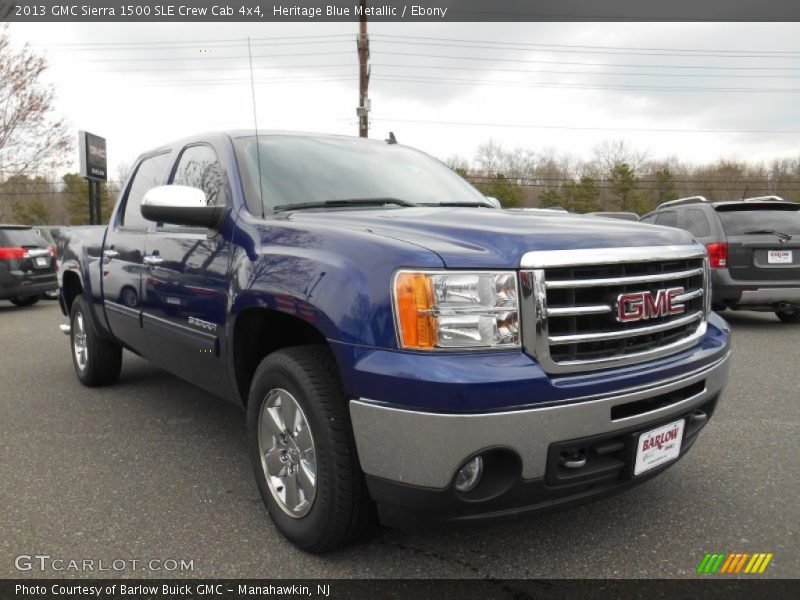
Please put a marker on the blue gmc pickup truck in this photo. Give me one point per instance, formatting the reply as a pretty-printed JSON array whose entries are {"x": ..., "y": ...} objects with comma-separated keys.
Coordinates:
[{"x": 403, "y": 348}]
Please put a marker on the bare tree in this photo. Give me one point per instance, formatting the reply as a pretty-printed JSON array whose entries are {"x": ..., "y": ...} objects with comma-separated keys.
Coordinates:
[
  {"x": 490, "y": 157},
  {"x": 610, "y": 153},
  {"x": 123, "y": 172},
  {"x": 32, "y": 138}
]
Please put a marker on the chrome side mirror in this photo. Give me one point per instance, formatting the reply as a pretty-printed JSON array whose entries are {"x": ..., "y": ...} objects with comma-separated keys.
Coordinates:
[{"x": 181, "y": 205}]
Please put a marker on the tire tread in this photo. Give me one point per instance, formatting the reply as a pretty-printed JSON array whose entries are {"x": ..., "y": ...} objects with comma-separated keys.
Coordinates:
[
  {"x": 353, "y": 515},
  {"x": 105, "y": 356}
]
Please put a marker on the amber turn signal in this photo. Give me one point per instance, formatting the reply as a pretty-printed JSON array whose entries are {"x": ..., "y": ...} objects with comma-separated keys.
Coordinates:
[{"x": 414, "y": 298}]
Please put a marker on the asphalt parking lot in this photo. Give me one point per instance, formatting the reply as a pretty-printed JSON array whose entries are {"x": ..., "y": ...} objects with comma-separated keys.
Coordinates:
[{"x": 154, "y": 468}]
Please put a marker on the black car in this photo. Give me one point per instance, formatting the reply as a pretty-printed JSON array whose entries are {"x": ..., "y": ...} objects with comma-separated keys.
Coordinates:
[
  {"x": 27, "y": 265},
  {"x": 753, "y": 249}
]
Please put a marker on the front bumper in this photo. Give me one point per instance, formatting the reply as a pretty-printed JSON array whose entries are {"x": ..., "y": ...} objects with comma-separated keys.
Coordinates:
[{"x": 411, "y": 457}]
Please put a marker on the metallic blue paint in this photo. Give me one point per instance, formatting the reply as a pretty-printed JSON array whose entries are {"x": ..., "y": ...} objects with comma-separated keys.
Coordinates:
[{"x": 333, "y": 269}]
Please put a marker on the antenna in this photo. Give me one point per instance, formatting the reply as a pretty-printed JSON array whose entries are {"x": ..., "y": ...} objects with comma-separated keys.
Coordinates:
[
  {"x": 744, "y": 194},
  {"x": 255, "y": 125},
  {"x": 392, "y": 139}
]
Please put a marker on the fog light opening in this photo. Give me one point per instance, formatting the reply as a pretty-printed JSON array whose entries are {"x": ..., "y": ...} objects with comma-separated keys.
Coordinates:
[{"x": 469, "y": 475}]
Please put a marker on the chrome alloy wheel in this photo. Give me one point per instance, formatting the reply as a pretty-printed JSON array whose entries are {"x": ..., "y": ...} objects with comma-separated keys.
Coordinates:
[
  {"x": 79, "y": 346},
  {"x": 287, "y": 451}
]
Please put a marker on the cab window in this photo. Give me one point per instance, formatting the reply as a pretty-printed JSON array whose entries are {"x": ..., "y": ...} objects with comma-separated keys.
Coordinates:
[{"x": 199, "y": 167}]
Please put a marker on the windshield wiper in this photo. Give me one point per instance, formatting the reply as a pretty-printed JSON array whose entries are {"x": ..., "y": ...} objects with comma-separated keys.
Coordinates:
[
  {"x": 780, "y": 234},
  {"x": 467, "y": 204},
  {"x": 344, "y": 202}
]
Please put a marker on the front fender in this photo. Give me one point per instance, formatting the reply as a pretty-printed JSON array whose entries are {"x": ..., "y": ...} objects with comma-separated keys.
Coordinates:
[{"x": 336, "y": 280}]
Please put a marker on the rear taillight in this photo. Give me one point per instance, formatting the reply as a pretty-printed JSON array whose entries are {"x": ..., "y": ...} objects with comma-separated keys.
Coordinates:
[
  {"x": 11, "y": 253},
  {"x": 718, "y": 255}
]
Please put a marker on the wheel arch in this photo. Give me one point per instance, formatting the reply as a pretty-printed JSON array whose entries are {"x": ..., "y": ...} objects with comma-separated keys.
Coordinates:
[
  {"x": 258, "y": 331},
  {"x": 71, "y": 288}
]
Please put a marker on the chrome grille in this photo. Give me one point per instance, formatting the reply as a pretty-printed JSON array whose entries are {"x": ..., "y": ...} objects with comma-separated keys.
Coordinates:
[{"x": 570, "y": 306}]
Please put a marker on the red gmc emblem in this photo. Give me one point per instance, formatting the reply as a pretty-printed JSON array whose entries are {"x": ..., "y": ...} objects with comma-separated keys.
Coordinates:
[{"x": 640, "y": 306}]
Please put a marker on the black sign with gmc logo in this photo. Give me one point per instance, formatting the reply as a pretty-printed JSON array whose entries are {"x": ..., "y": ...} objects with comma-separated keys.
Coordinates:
[{"x": 93, "y": 156}]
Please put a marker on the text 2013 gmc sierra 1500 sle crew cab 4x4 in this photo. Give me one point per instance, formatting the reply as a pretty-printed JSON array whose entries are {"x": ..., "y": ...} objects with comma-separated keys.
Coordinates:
[{"x": 402, "y": 347}]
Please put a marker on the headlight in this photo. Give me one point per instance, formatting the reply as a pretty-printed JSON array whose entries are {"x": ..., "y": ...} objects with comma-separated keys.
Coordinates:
[{"x": 440, "y": 310}]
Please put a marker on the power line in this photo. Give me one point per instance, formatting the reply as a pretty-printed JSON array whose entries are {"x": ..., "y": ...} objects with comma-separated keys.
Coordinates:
[
  {"x": 586, "y": 49},
  {"x": 596, "y": 86},
  {"x": 580, "y": 128},
  {"x": 214, "y": 82},
  {"x": 203, "y": 41},
  {"x": 458, "y": 42},
  {"x": 590, "y": 73},
  {"x": 202, "y": 45},
  {"x": 194, "y": 58},
  {"x": 451, "y": 68},
  {"x": 556, "y": 62}
]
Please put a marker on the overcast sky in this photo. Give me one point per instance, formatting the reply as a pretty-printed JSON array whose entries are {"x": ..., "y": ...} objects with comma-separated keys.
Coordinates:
[{"x": 140, "y": 84}]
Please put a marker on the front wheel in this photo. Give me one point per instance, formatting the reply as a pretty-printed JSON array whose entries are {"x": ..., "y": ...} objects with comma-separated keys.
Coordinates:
[
  {"x": 789, "y": 316},
  {"x": 97, "y": 360},
  {"x": 26, "y": 301},
  {"x": 303, "y": 451}
]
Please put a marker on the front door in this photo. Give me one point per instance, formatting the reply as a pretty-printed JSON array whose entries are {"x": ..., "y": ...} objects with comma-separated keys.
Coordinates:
[{"x": 186, "y": 285}]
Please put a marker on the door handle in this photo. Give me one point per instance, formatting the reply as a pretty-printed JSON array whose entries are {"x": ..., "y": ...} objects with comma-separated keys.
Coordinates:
[
  {"x": 152, "y": 259},
  {"x": 110, "y": 254}
]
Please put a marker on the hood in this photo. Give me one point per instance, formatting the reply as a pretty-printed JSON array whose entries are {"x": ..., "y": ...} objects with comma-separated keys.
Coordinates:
[{"x": 474, "y": 238}]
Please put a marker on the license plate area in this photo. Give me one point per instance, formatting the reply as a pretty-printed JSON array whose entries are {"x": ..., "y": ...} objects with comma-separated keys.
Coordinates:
[
  {"x": 42, "y": 262},
  {"x": 611, "y": 457},
  {"x": 658, "y": 446},
  {"x": 780, "y": 257}
]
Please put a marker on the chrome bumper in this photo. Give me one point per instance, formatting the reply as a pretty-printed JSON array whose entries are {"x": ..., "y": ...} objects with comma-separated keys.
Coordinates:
[
  {"x": 426, "y": 449},
  {"x": 762, "y": 296}
]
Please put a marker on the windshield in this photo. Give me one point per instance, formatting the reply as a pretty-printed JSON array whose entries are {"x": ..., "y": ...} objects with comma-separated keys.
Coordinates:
[
  {"x": 741, "y": 222},
  {"x": 301, "y": 170}
]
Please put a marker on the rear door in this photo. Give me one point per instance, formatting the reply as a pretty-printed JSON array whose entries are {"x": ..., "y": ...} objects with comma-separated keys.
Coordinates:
[
  {"x": 186, "y": 281},
  {"x": 763, "y": 240},
  {"x": 123, "y": 254}
]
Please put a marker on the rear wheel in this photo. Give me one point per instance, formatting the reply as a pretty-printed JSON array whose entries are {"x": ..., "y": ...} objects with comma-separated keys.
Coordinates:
[
  {"x": 303, "y": 451},
  {"x": 25, "y": 301},
  {"x": 789, "y": 316},
  {"x": 97, "y": 361}
]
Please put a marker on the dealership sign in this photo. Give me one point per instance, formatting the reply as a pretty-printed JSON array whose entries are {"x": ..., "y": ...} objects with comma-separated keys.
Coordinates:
[{"x": 93, "y": 156}]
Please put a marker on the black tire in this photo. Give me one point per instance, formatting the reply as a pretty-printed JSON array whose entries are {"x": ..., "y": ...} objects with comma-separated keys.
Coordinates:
[
  {"x": 342, "y": 511},
  {"x": 103, "y": 357},
  {"x": 26, "y": 301},
  {"x": 789, "y": 317}
]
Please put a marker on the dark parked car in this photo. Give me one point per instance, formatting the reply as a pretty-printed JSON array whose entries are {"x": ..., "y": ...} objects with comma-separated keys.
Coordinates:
[
  {"x": 753, "y": 248},
  {"x": 27, "y": 265}
]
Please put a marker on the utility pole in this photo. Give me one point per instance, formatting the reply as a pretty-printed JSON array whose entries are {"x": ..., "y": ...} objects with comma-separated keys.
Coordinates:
[{"x": 363, "y": 73}]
